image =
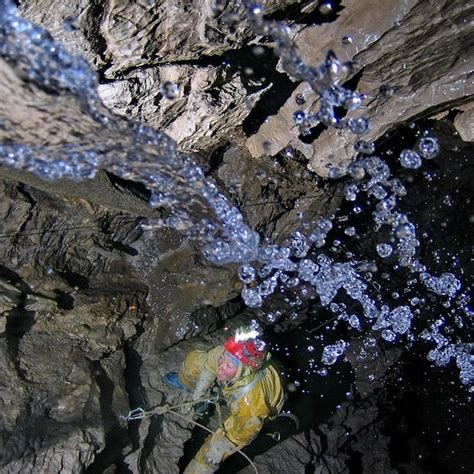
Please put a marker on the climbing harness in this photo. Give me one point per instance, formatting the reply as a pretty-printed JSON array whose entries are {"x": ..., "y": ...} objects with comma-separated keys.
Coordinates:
[
  {"x": 139, "y": 413},
  {"x": 291, "y": 416},
  {"x": 275, "y": 435}
]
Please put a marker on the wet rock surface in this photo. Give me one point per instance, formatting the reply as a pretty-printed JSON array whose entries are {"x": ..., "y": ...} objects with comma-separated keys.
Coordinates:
[
  {"x": 93, "y": 310},
  {"x": 397, "y": 63}
]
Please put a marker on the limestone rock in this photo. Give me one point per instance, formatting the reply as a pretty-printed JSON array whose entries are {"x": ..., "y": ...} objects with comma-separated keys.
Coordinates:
[
  {"x": 464, "y": 122},
  {"x": 118, "y": 36},
  {"x": 297, "y": 195},
  {"x": 209, "y": 106},
  {"x": 399, "y": 50}
]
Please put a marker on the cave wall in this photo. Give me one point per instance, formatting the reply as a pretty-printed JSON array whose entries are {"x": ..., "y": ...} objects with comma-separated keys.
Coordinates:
[{"x": 93, "y": 307}]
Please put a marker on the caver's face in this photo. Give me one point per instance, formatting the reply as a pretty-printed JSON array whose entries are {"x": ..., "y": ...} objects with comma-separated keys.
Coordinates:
[{"x": 226, "y": 368}]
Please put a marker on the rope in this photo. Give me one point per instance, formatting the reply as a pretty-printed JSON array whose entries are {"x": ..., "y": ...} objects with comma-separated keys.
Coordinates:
[{"x": 140, "y": 413}]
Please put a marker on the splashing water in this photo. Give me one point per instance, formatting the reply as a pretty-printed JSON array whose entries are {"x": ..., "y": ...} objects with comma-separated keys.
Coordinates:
[
  {"x": 196, "y": 207},
  {"x": 128, "y": 149},
  {"x": 370, "y": 175}
]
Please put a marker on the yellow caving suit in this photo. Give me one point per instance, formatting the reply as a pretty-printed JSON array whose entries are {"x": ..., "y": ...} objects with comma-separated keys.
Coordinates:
[{"x": 252, "y": 396}]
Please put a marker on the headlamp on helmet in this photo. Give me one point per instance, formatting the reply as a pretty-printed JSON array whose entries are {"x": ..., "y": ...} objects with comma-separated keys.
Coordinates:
[{"x": 247, "y": 347}]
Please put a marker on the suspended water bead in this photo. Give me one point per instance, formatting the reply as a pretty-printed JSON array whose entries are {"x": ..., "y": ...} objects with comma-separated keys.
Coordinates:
[
  {"x": 258, "y": 51},
  {"x": 322, "y": 372},
  {"x": 326, "y": 115},
  {"x": 268, "y": 286},
  {"x": 308, "y": 270},
  {"x": 291, "y": 283},
  {"x": 256, "y": 9},
  {"x": 354, "y": 322},
  {"x": 350, "y": 192},
  {"x": 247, "y": 274},
  {"x": 248, "y": 71},
  {"x": 170, "y": 90},
  {"x": 277, "y": 257},
  {"x": 347, "y": 40},
  {"x": 377, "y": 168},
  {"x": 317, "y": 236},
  {"x": 400, "y": 319},
  {"x": 370, "y": 342},
  {"x": 446, "y": 285},
  {"x": 353, "y": 101},
  {"x": 367, "y": 148},
  {"x": 441, "y": 356},
  {"x": 350, "y": 231},
  {"x": 378, "y": 191},
  {"x": 388, "y": 335},
  {"x": 356, "y": 170},
  {"x": 384, "y": 250},
  {"x": 325, "y": 8},
  {"x": 265, "y": 271},
  {"x": 299, "y": 117},
  {"x": 271, "y": 317},
  {"x": 358, "y": 125},
  {"x": 252, "y": 298},
  {"x": 310, "y": 348},
  {"x": 410, "y": 159},
  {"x": 428, "y": 147},
  {"x": 324, "y": 224},
  {"x": 332, "y": 352},
  {"x": 405, "y": 230},
  {"x": 299, "y": 99},
  {"x": 298, "y": 244}
]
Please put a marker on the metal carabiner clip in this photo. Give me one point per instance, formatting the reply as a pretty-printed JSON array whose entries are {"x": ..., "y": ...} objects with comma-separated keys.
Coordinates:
[{"x": 136, "y": 414}]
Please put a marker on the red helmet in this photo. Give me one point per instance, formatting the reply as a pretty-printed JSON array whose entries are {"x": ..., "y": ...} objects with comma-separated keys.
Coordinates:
[{"x": 248, "y": 352}]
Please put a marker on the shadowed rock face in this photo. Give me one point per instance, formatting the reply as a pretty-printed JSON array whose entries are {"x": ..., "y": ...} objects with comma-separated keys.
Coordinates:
[{"x": 94, "y": 310}]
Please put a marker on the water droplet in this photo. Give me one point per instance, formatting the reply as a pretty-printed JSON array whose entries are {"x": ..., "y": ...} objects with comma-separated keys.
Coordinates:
[
  {"x": 299, "y": 99},
  {"x": 384, "y": 250},
  {"x": 326, "y": 8},
  {"x": 358, "y": 125},
  {"x": 356, "y": 171},
  {"x": 247, "y": 274},
  {"x": 299, "y": 117},
  {"x": 258, "y": 51},
  {"x": 367, "y": 148},
  {"x": 410, "y": 159},
  {"x": 428, "y": 147}
]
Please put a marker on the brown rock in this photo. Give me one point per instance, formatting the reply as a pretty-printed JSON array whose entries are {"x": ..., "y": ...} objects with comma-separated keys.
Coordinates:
[
  {"x": 393, "y": 46},
  {"x": 464, "y": 122}
]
